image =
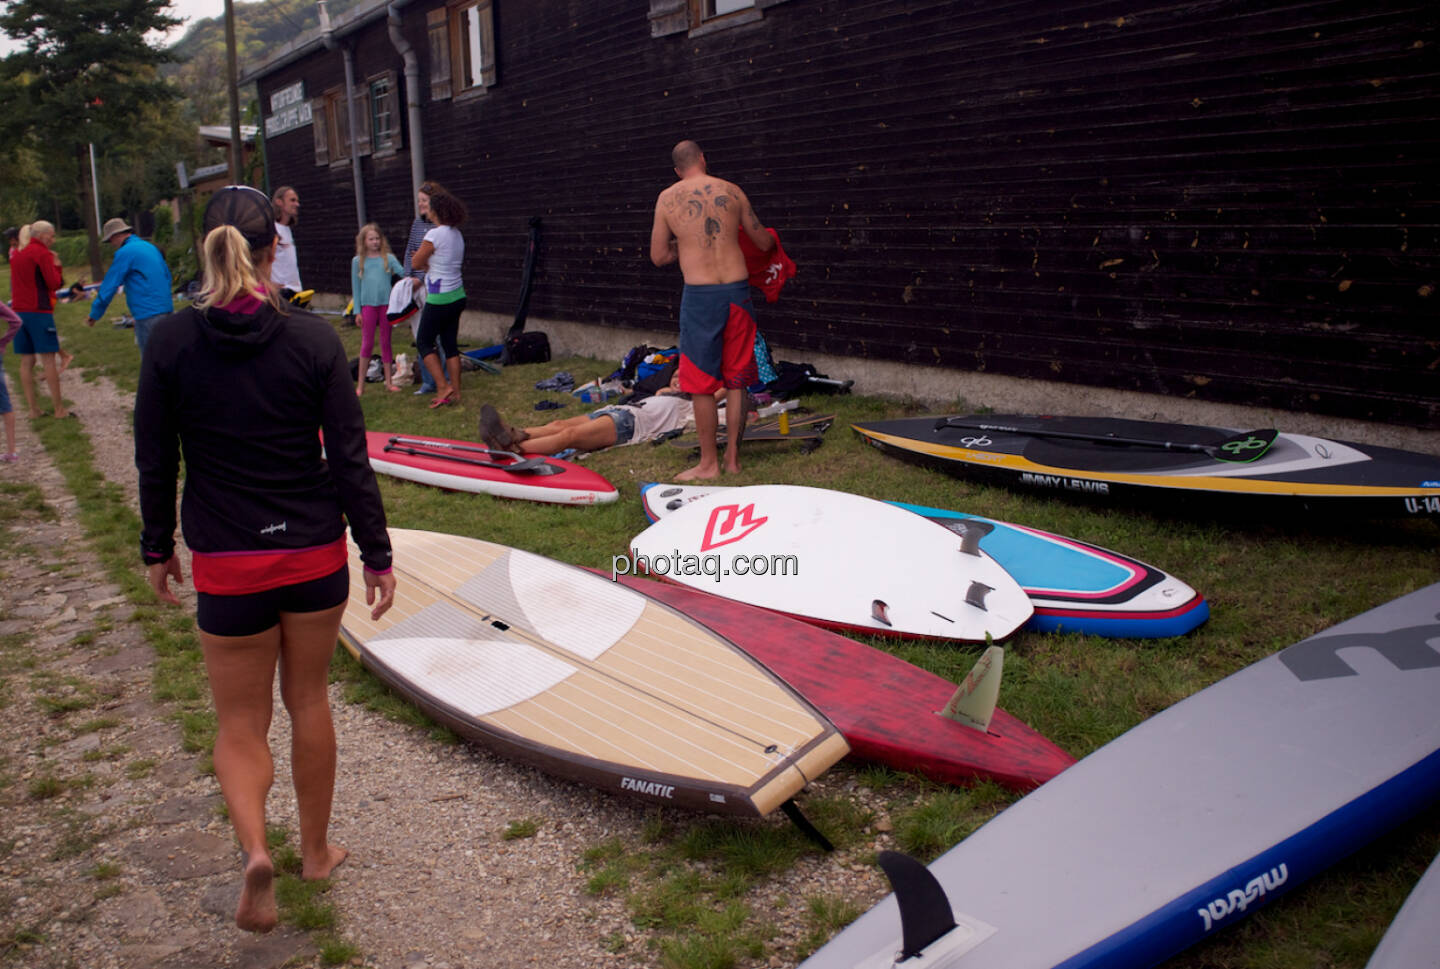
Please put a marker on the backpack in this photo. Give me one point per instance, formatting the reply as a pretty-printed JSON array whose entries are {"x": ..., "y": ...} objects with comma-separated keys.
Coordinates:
[
  {"x": 526, "y": 348},
  {"x": 802, "y": 378},
  {"x": 657, "y": 361},
  {"x": 632, "y": 359}
]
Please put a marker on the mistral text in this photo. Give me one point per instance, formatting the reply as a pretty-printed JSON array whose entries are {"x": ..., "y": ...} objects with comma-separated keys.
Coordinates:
[{"x": 1239, "y": 899}]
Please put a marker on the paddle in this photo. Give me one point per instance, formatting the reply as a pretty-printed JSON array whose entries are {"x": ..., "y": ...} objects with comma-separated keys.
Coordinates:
[
  {"x": 1243, "y": 448},
  {"x": 431, "y": 447}
]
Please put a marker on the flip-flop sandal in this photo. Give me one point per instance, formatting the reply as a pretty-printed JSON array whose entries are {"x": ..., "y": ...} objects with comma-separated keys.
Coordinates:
[{"x": 442, "y": 401}]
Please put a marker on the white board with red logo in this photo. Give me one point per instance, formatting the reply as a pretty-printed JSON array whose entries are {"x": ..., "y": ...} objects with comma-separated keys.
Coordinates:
[{"x": 834, "y": 559}]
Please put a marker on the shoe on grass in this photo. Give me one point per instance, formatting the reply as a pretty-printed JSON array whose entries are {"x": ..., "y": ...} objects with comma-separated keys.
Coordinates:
[{"x": 496, "y": 434}]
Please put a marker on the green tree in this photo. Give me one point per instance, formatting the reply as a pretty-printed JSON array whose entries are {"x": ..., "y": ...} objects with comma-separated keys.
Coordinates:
[
  {"x": 21, "y": 184},
  {"x": 87, "y": 74}
]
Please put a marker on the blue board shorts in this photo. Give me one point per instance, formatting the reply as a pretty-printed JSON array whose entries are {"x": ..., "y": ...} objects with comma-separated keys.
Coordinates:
[
  {"x": 37, "y": 334},
  {"x": 624, "y": 422},
  {"x": 717, "y": 338}
]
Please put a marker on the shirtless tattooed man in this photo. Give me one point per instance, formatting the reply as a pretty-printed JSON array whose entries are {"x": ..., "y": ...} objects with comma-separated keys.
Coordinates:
[{"x": 698, "y": 221}]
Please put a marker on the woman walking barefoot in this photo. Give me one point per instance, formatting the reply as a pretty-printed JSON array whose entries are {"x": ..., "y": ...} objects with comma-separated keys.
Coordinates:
[{"x": 246, "y": 390}]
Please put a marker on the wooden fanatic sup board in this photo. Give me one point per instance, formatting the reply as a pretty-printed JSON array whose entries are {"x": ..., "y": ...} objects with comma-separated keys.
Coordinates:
[
  {"x": 835, "y": 559},
  {"x": 1204, "y": 812},
  {"x": 887, "y": 709},
  {"x": 1074, "y": 586},
  {"x": 1413, "y": 939},
  {"x": 559, "y": 668},
  {"x": 1170, "y": 465},
  {"x": 467, "y": 466}
]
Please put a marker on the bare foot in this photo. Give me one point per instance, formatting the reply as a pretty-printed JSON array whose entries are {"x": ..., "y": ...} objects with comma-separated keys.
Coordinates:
[
  {"x": 65, "y": 358},
  {"x": 732, "y": 468},
  {"x": 699, "y": 473},
  {"x": 334, "y": 856},
  {"x": 257, "y": 911}
]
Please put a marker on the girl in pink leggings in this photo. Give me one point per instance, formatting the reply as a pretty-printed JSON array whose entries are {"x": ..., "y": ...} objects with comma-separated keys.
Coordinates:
[{"x": 371, "y": 273}]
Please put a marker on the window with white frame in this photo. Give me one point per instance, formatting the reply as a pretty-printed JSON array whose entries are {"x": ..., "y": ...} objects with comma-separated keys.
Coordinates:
[
  {"x": 719, "y": 8},
  {"x": 462, "y": 48},
  {"x": 384, "y": 103},
  {"x": 700, "y": 17}
]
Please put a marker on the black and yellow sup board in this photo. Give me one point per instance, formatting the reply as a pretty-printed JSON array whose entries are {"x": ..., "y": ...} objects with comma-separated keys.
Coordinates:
[
  {"x": 574, "y": 674},
  {"x": 1170, "y": 465}
]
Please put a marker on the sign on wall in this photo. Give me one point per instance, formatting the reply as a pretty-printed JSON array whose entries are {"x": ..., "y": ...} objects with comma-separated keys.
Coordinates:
[{"x": 289, "y": 109}]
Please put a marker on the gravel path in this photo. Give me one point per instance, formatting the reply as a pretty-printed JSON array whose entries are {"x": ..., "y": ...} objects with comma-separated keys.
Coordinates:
[{"x": 114, "y": 853}]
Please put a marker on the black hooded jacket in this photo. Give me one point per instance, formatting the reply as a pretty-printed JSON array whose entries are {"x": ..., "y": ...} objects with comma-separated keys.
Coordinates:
[{"x": 246, "y": 396}]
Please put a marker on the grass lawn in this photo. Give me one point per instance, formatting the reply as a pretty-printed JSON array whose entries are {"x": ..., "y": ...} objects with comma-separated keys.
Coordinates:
[{"x": 1269, "y": 584}]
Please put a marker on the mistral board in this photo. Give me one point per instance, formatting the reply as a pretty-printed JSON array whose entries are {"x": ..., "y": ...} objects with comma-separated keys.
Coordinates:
[
  {"x": 1074, "y": 586},
  {"x": 1171, "y": 466},
  {"x": 1206, "y": 811},
  {"x": 467, "y": 466},
  {"x": 889, "y": 710},
  {"x": 562, "y": 669},
  {"x": 834, "y": 559}
]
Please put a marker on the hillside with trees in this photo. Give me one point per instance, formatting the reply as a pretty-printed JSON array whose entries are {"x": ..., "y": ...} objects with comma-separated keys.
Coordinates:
[
  {"x": 261, "y": 28},
  {"x": 140, "y": 113}
]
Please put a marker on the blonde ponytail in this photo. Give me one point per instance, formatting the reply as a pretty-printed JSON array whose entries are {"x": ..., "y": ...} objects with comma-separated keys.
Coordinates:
[{"x": 233, "y": 270}]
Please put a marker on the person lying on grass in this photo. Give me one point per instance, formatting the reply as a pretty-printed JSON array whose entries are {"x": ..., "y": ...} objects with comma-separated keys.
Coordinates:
[{"x": 642, "y": 420}]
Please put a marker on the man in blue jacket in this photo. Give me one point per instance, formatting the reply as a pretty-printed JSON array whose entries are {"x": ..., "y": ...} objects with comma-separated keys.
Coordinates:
[{"x": 141, "y": 269}]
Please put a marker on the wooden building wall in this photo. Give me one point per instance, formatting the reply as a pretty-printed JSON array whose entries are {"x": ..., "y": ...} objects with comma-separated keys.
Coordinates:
[{"x": 1225, "y": 199}]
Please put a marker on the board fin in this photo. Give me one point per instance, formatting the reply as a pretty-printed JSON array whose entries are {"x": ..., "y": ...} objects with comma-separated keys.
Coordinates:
[
  {"x": 975, "y": 595},
  {"x": 970, "y": 531},
  {"x": 925, "y": 913},
  {"x": 880, "y": 612},
  {"x": 792, "y": 811},
  {"x": 974, "y": 700}
]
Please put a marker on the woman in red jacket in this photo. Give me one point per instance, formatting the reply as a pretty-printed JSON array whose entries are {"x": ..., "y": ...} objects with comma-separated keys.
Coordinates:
[{"x": 34, "y": 277}]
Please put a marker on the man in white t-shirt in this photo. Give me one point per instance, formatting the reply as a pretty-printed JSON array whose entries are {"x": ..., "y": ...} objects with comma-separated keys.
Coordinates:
[{"x": 285, "y": 271}]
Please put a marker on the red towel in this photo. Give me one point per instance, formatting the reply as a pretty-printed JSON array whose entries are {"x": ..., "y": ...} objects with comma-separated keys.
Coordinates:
[{"x": 768, "y": 270}]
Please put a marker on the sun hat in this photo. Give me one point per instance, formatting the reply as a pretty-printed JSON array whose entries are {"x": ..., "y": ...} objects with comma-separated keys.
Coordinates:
[
  {"x": 112, "y": 227},
  {"x": 247, "y": 209}
]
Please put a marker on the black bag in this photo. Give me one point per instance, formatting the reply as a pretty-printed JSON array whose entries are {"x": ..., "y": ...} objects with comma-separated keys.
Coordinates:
[
  {"x": 803, "y": 378},
  {"x": 526, "y": 348}
]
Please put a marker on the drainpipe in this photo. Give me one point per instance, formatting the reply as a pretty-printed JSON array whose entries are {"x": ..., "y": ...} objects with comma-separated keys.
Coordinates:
[
  {"x": 349, "y": 58},
  {"x": 412, "y": 97}
]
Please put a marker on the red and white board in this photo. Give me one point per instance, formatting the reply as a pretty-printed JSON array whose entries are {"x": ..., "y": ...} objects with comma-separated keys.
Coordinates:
[
  {"x": 468, "y": 466},
  {"x": 834, "y": 559}
]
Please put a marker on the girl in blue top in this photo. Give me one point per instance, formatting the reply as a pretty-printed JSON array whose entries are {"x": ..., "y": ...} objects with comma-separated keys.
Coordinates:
[{"x": 370, "y": 274}]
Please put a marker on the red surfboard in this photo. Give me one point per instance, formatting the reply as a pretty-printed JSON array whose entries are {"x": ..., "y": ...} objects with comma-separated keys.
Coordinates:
[
  {"x": 884, "y": 706},
  {"x": 468, "y": 466}
]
